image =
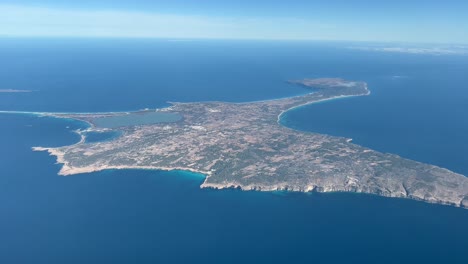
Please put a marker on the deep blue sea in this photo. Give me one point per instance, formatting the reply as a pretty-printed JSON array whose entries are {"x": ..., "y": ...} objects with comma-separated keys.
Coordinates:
[{"x": 418, "y": 109}]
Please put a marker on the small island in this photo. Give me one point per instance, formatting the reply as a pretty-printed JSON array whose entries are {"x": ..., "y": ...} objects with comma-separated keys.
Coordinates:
[
  {"x": 243, "y": 145},
  {"x": 14, "y": 91}
]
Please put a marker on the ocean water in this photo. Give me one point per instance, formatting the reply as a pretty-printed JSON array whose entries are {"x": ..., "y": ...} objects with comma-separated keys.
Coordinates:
[{"x": 417, "y": 109}]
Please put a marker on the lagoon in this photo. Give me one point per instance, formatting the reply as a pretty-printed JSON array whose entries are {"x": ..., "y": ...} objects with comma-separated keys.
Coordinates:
[{"x": 136, "y": 119}]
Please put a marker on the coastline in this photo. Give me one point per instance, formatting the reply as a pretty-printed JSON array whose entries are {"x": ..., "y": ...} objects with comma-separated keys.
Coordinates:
[
  {"x": 66, "y": 170},
  {"x": 66, "y": 115},
  {"x": 310, "y": 186},
  {"x": 165, "y": 108},
  {"x": 316, "y": 189},
  {"x": 49, "y": 114},
  {"x": 318, "y": 101}
]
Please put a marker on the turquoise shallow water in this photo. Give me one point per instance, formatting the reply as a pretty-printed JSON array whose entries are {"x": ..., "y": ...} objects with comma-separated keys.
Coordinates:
[{"x": 128, "y": 216}]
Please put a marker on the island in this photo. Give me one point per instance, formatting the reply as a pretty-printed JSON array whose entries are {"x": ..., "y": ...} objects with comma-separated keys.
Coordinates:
[
  {"x": 14, "y": 91},
  {"x": 244, "y": 145}
]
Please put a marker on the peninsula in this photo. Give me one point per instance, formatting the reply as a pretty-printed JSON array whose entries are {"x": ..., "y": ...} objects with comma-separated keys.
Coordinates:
[{"x": 243, "y": 145}]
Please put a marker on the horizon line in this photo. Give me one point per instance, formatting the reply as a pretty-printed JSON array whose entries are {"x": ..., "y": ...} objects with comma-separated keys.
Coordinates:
[{"x": 182, "y": 39}]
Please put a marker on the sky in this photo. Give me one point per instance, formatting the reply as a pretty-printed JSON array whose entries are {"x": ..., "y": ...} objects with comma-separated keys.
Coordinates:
[{"x": 411, "y": 21}]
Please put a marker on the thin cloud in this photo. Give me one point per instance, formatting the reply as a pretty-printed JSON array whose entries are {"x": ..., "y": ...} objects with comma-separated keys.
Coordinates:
[
  {"x": 37, "y": 21},
  {"x": 456, "y": 50}
]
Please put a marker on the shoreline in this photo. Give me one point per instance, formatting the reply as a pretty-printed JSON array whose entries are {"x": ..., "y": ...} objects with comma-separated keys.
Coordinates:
[
  {"x": 319, "y": 101},
  {"x": 66, "y": 115},
  {"x": 68, "y": 167},
  {"x": 69, "y": 171},
  {"x": 317, "y": 189},
  {"x": 170, "y": 104}
]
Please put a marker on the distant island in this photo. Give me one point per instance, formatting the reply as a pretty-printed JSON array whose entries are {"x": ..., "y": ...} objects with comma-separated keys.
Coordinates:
[
  {"x": 14, "y": 91},
  {"x": 242, "y": 145}
]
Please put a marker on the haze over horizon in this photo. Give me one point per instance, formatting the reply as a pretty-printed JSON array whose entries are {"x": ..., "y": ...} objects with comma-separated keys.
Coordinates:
[{"x": 363, "y": 20}]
